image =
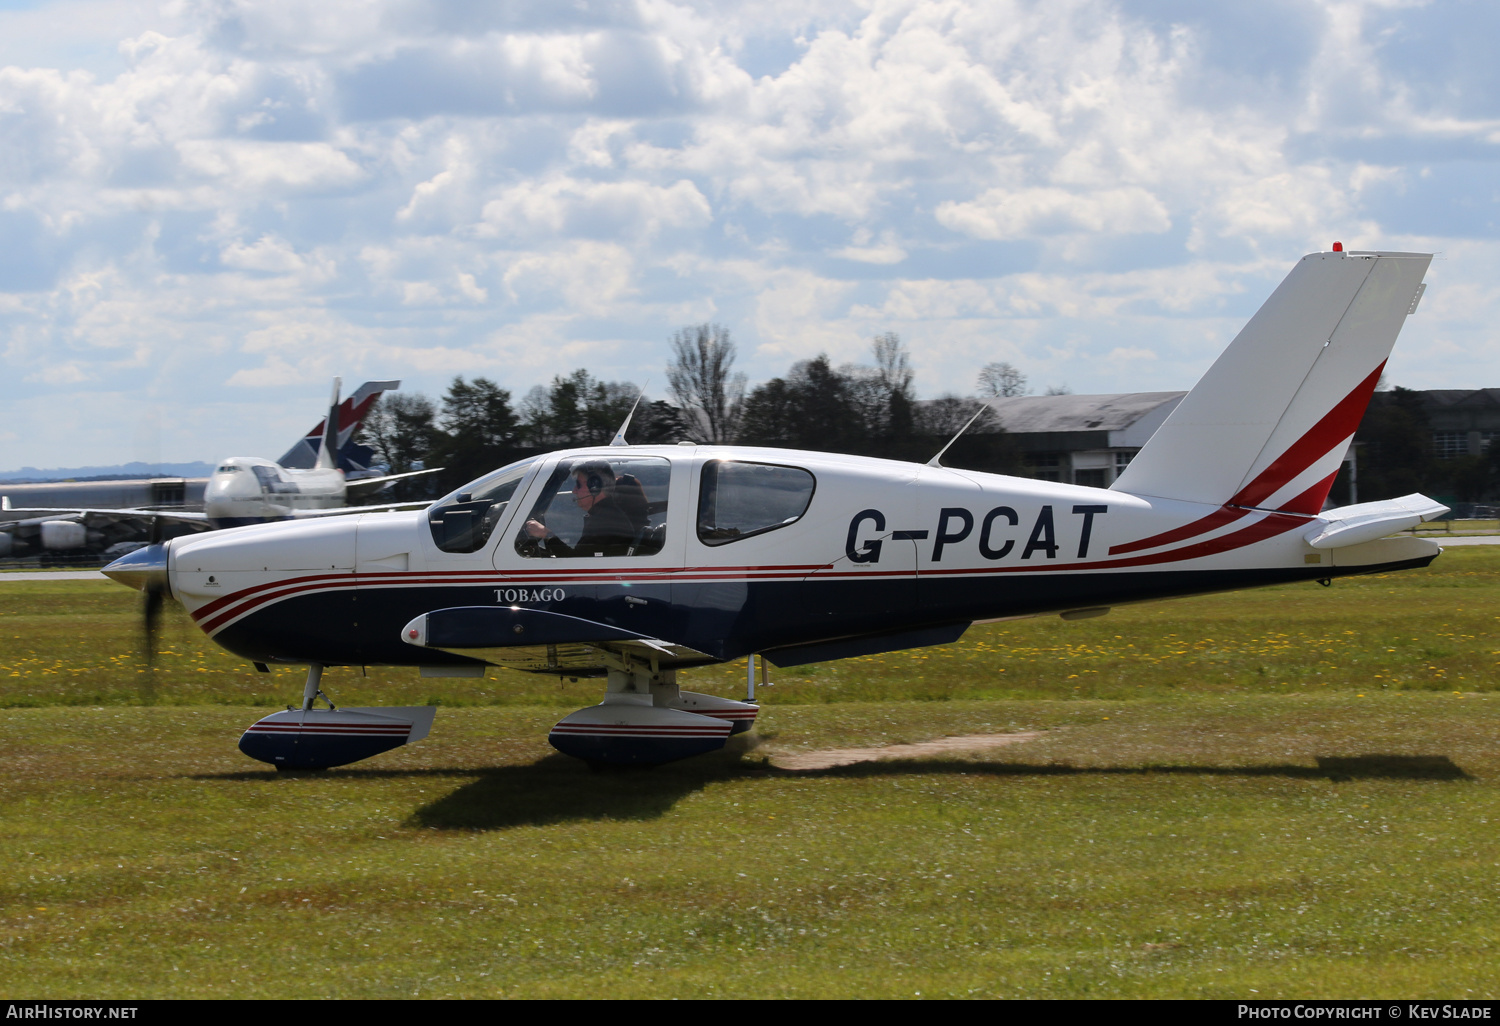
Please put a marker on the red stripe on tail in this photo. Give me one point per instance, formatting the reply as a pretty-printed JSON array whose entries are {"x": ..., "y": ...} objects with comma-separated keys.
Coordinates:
[{"x": 1337, "y": 424}]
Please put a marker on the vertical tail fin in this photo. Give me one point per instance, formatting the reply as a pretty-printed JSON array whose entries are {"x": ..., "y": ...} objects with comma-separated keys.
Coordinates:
[
  {"x": 1268, "y": 424},
  {"x": 352, "y": 413},
  {"x": 328, "y": 449}
]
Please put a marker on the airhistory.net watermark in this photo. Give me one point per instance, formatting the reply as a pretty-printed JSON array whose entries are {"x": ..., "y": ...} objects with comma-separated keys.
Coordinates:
[{"x": 59, "y": 1010}]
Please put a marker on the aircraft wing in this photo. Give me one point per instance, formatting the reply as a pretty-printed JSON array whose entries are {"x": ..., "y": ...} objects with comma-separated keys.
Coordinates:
[
  {"x": 365, "y": 485},
  {"x": 377, "y": 507},
  {"x": 538, "y": 640},
  {"x": 102, "y": 517}
]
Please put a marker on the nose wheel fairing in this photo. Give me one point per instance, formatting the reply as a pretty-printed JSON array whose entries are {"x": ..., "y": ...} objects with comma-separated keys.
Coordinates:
[{"x": 322, "y": 738}]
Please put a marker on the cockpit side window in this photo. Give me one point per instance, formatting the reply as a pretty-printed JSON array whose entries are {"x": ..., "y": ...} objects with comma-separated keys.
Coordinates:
[
  {"x": 271, "y": 482},
  {"x": 464, "y": 520},
  {"x": 738, "y": 500},
  {"x": 598, "y": 506}
]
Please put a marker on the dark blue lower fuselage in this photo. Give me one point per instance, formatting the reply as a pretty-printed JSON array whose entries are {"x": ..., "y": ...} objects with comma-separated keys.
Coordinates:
[{"x": 723, "y": 619}]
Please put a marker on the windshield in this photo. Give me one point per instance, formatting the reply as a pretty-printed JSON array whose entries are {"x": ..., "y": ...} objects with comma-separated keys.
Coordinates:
[{"x": 463, "y": 521}]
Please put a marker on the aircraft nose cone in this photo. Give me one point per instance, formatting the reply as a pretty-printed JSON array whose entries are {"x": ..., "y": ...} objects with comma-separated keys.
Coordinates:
[{"x": 144, "y": 569}]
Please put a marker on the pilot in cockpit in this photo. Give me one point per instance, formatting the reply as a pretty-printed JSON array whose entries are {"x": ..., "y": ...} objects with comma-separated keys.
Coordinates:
[{"x": 614, "y": 514}]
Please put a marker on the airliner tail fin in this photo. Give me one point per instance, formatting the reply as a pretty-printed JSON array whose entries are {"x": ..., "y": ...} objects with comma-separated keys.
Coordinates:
[{"x": 352, "y": 412}]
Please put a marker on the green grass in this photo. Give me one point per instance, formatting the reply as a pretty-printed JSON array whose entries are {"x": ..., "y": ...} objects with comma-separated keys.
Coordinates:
[
  {"x": 74, "y": 643},
  {"x": 1291, "y": 792},
  {"x": 1319, "y": 846}
]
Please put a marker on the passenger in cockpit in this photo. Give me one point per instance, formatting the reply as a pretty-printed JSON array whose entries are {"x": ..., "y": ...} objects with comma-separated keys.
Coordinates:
[{"x": 614, "y": 513}]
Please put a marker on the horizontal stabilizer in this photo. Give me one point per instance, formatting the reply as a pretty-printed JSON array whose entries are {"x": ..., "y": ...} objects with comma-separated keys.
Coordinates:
[{"x": 1352, "y": 525}]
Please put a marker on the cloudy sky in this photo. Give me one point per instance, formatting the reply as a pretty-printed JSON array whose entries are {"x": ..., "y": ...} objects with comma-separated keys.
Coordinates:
[{"x": 208, "y": 208}]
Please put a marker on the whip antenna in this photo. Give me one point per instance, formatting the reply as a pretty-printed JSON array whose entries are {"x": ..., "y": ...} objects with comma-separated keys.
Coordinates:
[
  {"x": 619, "y": 438},
  {"x": 977, "y": 414}
]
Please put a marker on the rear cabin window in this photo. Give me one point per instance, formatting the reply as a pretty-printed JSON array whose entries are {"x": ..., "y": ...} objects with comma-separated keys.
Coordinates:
[
  {"x": 599, "y": 506},
  {"x": 739, "y": 500},
  {"x": 464, "y": 520}
]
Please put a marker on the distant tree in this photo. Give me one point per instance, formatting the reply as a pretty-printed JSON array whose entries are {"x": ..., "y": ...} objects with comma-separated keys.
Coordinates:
[
  {"x": 1395, "y": 454},
  {"x": 480, "y": 431},
  {"x": 998, "y": 380},
  {"x": 701, "y": 379},
  {"x": 871, "y": 410},
  {"x": 943, "y": 416},
  {"x": 880, "y": 398},
  {"x": 1464, "y": 478},
  {"x": 813, "y": 407},
  {"x": 894, "y": 374},
  {"x": 1062, "y": 389},
  {"x": 402, "y": 429},
  {"x": 657, "y": 422},
  {"x": 578, "y": 409}
]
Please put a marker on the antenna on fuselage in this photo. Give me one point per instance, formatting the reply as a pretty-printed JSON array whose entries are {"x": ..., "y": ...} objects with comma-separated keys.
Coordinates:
[
  {"x": 977, "y": 414},
  {"x": 328, "y": 452},
  {"x": 619, "y": 438}
]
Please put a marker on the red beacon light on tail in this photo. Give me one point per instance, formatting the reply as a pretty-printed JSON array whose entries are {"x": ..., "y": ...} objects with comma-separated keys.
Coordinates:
[{"x": 1338, "y": 247}]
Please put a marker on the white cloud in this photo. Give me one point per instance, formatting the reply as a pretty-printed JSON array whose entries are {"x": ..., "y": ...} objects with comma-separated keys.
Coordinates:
[
  {"x": 587, "y": 276},
  {"x": 1025, "y": 213},
  {"x": 270, "y": 193},
  {"x": 865, "y": 250},
  {"x": 569, "y": 207},
  {"x": 253, "y": 167},
  {"x": 268, "y": 253}
]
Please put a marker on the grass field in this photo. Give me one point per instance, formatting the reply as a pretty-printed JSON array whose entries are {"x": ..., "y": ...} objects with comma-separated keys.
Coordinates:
[{"x": 1291, "y": 792}]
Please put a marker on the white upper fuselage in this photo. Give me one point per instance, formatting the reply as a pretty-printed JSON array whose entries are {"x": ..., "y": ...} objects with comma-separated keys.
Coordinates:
[{"x": 249, "y": 488}]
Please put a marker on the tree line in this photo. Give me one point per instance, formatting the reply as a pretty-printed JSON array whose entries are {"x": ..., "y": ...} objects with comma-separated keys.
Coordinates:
[
  {"x": 868, "y": 409},
  {"x": 1396, "y": 457},
  {"x": 863, "y": 409}
]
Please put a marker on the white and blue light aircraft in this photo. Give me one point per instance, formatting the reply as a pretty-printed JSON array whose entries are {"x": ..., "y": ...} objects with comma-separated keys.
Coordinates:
[{"x": 628, "y": 563}]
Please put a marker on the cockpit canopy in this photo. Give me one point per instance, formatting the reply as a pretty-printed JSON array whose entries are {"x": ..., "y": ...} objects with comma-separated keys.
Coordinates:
[
  {"x": 463, "y": 521},
  {"x": 617, "y": 505}
]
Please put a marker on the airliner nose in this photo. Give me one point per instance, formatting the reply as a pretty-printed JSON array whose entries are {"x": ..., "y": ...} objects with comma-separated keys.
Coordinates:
[{"x": 145, "y": 569}]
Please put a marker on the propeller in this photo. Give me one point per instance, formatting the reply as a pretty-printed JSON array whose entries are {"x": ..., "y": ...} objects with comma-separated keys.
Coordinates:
[
  {"x": 153, "y": 590},
  {"x": 145, "y": 570}
]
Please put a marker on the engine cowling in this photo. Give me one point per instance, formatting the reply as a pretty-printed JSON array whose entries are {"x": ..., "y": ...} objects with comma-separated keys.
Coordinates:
[{"x": 62, "y": 535}]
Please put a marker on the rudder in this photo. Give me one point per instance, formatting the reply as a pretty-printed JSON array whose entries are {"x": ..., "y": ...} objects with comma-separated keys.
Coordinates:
[{"x": 1267, "y": 425}]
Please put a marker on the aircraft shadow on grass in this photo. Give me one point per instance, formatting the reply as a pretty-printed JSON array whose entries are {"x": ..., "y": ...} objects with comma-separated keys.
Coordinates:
[{"x": 558, "y": 789}]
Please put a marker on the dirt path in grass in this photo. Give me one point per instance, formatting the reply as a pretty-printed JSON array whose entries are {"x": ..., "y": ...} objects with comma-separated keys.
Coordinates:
[{"x": 830, "y": 757}]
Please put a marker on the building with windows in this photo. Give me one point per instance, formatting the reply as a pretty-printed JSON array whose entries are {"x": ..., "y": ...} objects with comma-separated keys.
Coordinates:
[
  {"x": 1463, "y": 421},
  {"x": 1083, "y": 439}
]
